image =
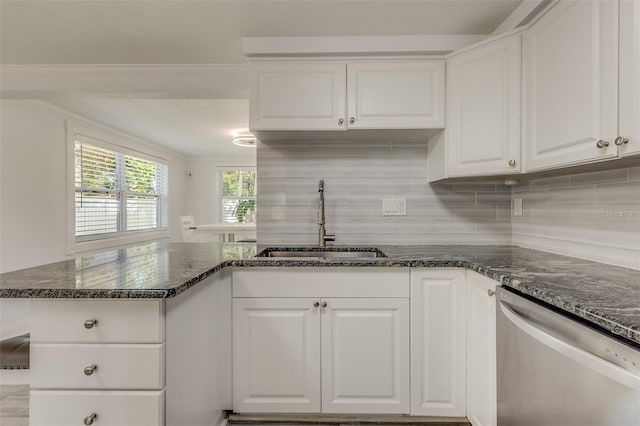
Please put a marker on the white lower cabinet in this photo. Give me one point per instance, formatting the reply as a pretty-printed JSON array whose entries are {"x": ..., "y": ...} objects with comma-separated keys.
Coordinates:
[
  {"x": 481, "y": 350},
  {"x": 132, "y": 362},
  {"x": 276, "y": 355},
  {"x": 365, "y": 355},
  {"x": 321, "y": 354},
  {"x": 103, "y": 408},
  {"x": 438, "y": 341}
]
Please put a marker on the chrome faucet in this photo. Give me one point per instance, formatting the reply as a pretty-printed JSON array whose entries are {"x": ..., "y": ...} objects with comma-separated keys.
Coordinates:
[{"x": 323, "y": 237}]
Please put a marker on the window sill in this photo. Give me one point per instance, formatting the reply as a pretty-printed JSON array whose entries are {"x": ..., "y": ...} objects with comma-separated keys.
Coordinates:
[{"x": 93, "y": 245}]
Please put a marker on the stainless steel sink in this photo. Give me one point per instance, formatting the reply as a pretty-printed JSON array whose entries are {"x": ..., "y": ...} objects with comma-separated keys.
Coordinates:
[{"x": 323, "y": 253}]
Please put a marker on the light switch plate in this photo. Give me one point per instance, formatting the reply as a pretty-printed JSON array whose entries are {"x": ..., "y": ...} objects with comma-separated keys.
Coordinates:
[
  {"x": 394, "y": 207},
  {"x": 517, "y": 206}
]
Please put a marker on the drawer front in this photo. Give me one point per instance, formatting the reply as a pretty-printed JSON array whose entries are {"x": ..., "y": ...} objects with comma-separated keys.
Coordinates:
[
  {"x": 65, "y": 408},
  {"x": 321, "y": 282},
  {"x": 117, "y": 321},
  {"x": 62, "y": 366}
]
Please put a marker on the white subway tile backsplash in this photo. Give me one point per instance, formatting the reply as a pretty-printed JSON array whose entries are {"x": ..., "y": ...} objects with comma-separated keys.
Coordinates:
[
  {"x": 593, "y": 215},
  {"x": 573, "y": 195},
  {"x": 599, "y": 177},
  {"x": 618, "y": 193},
  {"x": 358, "y": 175}
]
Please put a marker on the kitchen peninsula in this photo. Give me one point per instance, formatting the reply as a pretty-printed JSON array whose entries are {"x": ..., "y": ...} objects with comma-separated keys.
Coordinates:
[{"x": 168, "y": 306}]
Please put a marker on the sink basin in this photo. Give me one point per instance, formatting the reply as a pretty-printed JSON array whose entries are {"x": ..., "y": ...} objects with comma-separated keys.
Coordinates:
[{"x": 323, "y": 252}]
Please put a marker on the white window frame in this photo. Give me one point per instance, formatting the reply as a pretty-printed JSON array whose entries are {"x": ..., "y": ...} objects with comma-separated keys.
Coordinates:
[
  {"x": 219, "y": 171},
  {"x": 117, "y": 142}
]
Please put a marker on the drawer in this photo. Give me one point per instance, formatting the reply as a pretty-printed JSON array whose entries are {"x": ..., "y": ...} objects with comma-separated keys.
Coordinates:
[
  {"x": 321, "y": 282},
  {"x": 117, "y": 321},
  {"x": 115, "y": 408},
  {"x": 62, "y": 366}
]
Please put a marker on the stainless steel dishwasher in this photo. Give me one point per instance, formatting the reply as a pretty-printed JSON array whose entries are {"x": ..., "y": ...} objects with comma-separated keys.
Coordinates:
[{"x": 555, "y": 371}]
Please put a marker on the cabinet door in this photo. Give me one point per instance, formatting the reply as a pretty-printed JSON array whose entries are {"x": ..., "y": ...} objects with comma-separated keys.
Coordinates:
[
  {"x": 438, "y": 342},
  {"x": 483, "y": 109},
  {"x": 630, "y": 76},
  {"x": 570, "y": 73},
  {"x": 297, "y": 96},
  {"x": 276, "y": 355},
  {"x": 396, "y": 94},
  {"x": 481, "y": 350},
  {"x": 365, "y": 355}
]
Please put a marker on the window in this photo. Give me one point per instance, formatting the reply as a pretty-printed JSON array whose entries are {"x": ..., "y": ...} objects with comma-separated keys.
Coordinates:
[
  {"x": 238, "y": 189},
  {"x": 117, "y": 192}
]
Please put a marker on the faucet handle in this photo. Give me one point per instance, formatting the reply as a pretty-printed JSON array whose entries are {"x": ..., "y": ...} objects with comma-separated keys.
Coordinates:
[{"x": 329, "y": 237}]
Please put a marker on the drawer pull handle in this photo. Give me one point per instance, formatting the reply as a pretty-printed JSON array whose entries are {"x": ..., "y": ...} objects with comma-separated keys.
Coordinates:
[
  {"x": 324, "y": 304},
  {"x": 90, "y": 369},
  {"x": 88, "y": 324},
  {"x": 90, "y": 419}
]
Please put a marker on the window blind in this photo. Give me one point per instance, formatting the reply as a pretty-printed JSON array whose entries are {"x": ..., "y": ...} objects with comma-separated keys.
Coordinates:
[{"x": 116, "y": 193}]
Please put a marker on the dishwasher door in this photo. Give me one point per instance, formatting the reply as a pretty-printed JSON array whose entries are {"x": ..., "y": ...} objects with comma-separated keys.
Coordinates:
[{"x": 554, "y": 371}]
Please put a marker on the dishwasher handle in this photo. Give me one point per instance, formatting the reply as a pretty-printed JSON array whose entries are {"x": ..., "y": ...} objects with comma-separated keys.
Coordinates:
[{"x": 583, "y": 357}]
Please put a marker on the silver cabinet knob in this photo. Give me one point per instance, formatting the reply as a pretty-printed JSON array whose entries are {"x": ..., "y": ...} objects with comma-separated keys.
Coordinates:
[
  {"x": 490, "y": 292},
  {"x": 340, "y": 121},
  {"x": 602, "y": 143},
  {"x": 90, "y": 419},
  {"x": 324, "y": 304},
  {"x": 90, "y": 369},
  {"x": 621, "y": 141},
  {"x": 316, "y": 304},
  {"x": 512, "y": 163},
  {"x": 352, "y": 120},
  {"x": 90, "y": 323}
]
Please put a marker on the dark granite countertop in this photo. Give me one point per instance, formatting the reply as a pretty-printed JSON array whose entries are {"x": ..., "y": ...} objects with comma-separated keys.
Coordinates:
[{"x": 605, "y": 295}]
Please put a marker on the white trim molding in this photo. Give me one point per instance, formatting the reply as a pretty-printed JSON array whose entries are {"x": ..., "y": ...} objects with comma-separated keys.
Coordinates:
[
  {"x": 432, "y": 44},
  {"x": 521, "y": 15},
  {"x": 222, "y": 81}
]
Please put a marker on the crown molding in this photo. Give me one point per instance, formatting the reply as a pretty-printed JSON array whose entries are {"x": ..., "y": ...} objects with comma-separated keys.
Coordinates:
[
  {"x": 431, "y": 44},
  {"x": 222, "y": 81}
]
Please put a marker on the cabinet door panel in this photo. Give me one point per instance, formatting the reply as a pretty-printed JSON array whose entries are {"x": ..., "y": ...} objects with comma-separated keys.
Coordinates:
[
  {"x": 630, "y": 76},
  {"x": 438, "y": 342},
  {"x": 570, "y": 72},
  {"x": 276, "y": 354},
  {"x": 297, "y": 96},
  {"x": 483, "y": 109},
  {"x": 481, "y": 350},
  {"x": 365, "y": 356},
  {"x": 393, "y": 95}
]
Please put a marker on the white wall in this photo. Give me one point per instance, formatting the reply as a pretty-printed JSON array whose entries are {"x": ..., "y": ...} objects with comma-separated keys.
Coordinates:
[
  {"x": 204, "y": 186},
  {"x": 33, "y": 188}
]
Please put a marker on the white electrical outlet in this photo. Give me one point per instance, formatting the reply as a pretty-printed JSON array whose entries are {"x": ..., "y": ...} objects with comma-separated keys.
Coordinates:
[
  {"x": 517, "y": 206},
  {"x": 394, "y": 207}
]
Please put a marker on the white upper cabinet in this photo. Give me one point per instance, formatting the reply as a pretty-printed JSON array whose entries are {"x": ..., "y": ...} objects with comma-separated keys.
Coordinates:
[
  {"x": 313, "y": 95},
  {"x": 483, "y": 109},
  {"x": 571, "y": 85},
  {"x": 297, "y": 96},
  {"x": 629, "y": 119},
  {"x": 396, "y": 94}
]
